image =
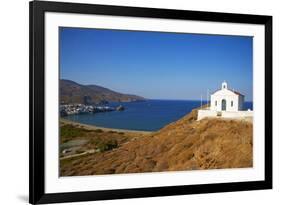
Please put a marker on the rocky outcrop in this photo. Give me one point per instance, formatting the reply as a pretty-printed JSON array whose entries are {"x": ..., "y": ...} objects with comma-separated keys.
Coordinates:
[{"x": 120, "y": 108}]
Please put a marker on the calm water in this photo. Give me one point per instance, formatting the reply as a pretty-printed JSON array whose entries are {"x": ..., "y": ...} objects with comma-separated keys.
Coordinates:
[{"x": 149, "y": 115}]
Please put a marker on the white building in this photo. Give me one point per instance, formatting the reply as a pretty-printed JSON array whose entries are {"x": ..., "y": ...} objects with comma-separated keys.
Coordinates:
[
  {"x": 226, "y": 100},
  {"x": 225, "y": 103}
]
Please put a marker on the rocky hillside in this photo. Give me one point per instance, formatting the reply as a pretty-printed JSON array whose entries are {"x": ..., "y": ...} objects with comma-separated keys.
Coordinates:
[
  {"x": 186, "y": 144},
  {"x": 72, "y": 92}
]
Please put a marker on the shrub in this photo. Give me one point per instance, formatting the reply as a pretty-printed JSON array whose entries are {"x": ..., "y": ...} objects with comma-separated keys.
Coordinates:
[
  {"x": 98, "y": 130},
  {"x": 71, "y": 131},
  {"x": 106, "y": 146}
]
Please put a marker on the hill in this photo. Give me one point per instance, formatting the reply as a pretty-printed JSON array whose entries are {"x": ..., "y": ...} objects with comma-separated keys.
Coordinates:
[
  {"x": 72, "y": 92},
  {"x": 186, "y": 144}
]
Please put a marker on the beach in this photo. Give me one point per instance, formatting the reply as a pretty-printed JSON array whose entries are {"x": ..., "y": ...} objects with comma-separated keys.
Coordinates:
[{"x": 93, "y": 127}]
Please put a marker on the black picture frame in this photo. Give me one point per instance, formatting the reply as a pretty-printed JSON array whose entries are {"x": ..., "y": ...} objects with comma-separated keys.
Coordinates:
[{"x": 37, "y": 194}]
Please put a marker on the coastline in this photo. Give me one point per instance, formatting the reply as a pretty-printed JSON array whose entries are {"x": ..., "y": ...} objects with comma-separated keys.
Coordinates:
[
  {"x": 186, "y": 144},
  {"x": 93, "y": 127}
]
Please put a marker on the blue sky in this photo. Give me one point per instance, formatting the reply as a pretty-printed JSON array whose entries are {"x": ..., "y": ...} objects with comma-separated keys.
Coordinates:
[{"x": 156, "y": 65}]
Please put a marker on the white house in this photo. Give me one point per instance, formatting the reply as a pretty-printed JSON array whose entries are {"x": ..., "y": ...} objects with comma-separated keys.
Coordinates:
[
  {"x": 225, "y": 103},
  {"x": 226, "y": 100}
]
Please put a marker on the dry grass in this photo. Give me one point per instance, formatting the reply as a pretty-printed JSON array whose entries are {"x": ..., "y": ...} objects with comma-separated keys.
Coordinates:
[{"x": 183, "y": 145}]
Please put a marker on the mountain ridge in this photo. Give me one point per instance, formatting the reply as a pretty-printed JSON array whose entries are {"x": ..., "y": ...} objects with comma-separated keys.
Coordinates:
[{"x": 72, "y": 92}]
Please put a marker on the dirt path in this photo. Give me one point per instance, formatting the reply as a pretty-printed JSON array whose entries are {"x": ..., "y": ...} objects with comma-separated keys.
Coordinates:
[{"x": 92, "y": 151}]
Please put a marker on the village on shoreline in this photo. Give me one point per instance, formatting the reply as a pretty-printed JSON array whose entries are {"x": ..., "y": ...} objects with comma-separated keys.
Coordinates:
[{"x": 72, "y": 109}]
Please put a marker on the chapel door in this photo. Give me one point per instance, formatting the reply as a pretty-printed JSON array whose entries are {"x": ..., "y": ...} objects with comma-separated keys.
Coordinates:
[{"x": 223, "y": 105}]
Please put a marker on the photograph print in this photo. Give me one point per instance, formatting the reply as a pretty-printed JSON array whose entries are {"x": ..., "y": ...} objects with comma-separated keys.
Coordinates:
[{"x": 145, "y": 101}]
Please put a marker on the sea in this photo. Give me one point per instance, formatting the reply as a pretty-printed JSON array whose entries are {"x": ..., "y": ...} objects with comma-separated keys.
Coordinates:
[{"x": 149, "y": 115}]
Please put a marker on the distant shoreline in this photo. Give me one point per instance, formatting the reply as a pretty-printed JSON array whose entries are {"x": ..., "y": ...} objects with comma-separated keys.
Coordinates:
[{"x": 93, "y": 127}]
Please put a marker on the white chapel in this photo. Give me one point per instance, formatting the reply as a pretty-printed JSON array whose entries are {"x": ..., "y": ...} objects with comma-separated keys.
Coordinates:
[
  {"x": 226, "y": 99},
  {"x": 225, "y": 103}
]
